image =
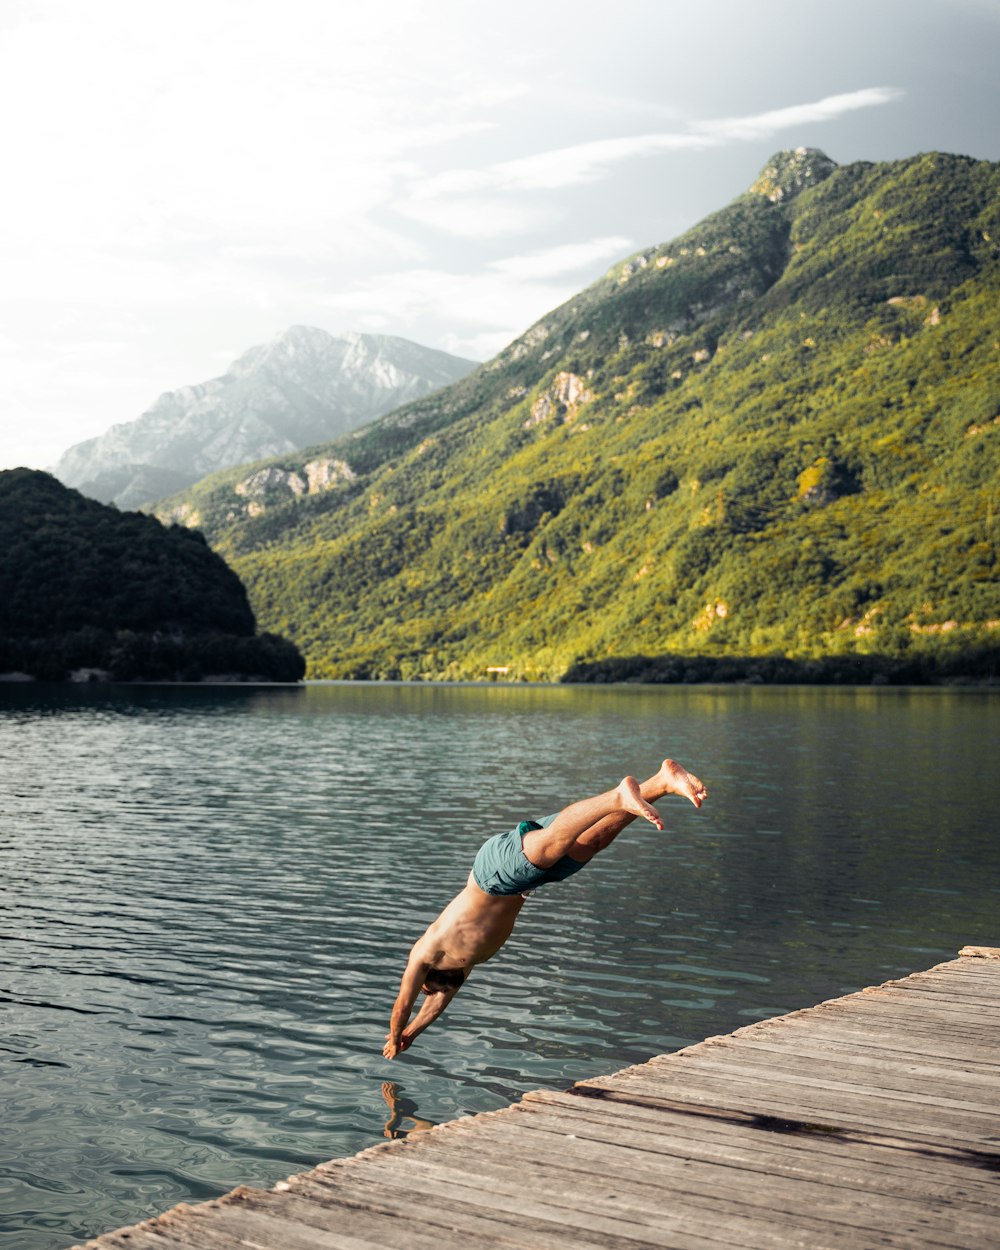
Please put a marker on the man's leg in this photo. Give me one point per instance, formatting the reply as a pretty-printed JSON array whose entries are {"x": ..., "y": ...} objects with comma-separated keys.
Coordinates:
[
  {"x": 671, "y": 778},
  {"x": 592, "y": 824},
  {"x": 545, "y": 847}
]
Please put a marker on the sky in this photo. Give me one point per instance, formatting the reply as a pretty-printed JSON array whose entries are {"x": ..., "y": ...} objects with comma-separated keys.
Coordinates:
[{"x": 182, "y": 181}]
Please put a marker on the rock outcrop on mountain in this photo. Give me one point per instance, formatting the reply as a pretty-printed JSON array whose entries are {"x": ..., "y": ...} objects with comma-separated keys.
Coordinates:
[{"x": 304, "y": 387}]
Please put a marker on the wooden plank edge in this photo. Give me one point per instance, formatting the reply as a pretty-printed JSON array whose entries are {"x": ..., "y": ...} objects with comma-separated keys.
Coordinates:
[{"x": 167, "y": 1222}]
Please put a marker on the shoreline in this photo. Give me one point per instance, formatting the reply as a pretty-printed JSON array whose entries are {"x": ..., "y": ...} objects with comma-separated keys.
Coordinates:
[{"x": 26, "y": 681}]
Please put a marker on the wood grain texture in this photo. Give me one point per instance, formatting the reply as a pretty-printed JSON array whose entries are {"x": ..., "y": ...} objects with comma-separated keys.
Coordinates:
[{"x": 872, "y": 1119}]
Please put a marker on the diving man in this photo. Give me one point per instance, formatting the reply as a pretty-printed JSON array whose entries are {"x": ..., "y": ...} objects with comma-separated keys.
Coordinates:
[{"x": 477, "y": 922}]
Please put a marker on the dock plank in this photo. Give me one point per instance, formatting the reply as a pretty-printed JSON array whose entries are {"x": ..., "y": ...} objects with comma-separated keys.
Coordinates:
[
  {"x": 794, "y": 1073},
  {"x": 696, "y": 1169},
  {"x": 623, "y": 1219},
  {"x": 864, "y": 1163},
  {"x": 642, "y": 1189},
  {"x": 888, "y": 1116},
  {"x": 842, "y": 1206},
  {"x": 893, "y": 1070},
  {"x": 872, "y": 1119},
  {"x": 895, "y": 1042}
]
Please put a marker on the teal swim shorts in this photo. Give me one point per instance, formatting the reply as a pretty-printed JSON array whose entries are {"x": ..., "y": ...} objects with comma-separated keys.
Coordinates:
[{"x": 501, "y": 866}]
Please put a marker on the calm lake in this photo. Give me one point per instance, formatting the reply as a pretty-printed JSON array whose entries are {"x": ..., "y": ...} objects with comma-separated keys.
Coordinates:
[{"x": 208, "y": 896}]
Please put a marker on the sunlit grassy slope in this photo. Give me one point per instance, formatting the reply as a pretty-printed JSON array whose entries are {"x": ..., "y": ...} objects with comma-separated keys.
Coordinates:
[{"x": 776, "y": 434}]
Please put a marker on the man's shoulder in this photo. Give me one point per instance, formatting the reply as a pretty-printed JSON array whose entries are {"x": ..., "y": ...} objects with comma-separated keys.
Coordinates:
[{"x": 427, "y": 948}]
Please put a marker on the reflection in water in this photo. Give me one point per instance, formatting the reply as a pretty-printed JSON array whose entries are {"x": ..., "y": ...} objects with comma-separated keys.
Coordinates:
[
  {"x": 402, "y": 1119},
  {"x": 208, "y": 895}
]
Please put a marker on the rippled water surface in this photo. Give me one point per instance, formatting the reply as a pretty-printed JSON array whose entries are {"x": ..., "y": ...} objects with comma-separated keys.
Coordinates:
[{"x": 207, "y": 897}]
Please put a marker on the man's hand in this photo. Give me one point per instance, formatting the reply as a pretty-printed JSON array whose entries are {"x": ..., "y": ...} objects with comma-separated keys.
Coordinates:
[{"x": 396, "y": 1046}]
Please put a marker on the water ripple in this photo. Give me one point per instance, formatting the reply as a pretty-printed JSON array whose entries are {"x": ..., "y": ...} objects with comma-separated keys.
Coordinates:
[{"x": 208, "y": 897}]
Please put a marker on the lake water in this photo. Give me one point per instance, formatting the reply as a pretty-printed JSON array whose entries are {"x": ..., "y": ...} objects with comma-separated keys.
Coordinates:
[{"x": 208, "y": 896}]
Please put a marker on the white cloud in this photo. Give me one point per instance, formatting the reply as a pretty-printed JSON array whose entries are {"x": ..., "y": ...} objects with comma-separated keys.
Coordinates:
[
  {"x": 478, "y": 217},
  {"x": 478, "y": 346},
  {"x": 220, "y": 125},
  {"x": 48, "y": 385},
  {"x": 564, "y": 167},
  {"x": 564, "y": 258},
  {"x": 585, "y": 162},
  {"x": 324, "y": 243},
  {"x": 490, "y": 301},
  {"x": 547, "y": 171},
  {"x": 497, "y": 302},
  {"x": 763, "y": 125},
  {"x": 184, "y": 181}
]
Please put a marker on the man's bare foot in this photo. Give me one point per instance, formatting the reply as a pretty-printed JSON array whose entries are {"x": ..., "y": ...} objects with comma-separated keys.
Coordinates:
[
  {"x": 632, "y": 801},
  {"x": 677, "y": 780}
]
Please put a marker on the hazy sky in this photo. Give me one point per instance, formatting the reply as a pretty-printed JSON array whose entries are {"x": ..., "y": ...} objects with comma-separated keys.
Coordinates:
[{"x": 183, "y": 180}]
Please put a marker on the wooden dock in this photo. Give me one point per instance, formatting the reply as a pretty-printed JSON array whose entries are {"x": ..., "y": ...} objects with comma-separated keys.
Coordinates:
[{"x": 867, "y": 1121}]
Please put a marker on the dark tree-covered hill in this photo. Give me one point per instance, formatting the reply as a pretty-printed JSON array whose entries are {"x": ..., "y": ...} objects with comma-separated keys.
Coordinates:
[{"x": 83, "y": 585}]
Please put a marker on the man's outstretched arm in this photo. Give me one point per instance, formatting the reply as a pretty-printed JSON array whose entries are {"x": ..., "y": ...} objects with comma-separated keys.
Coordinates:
[{"x": 417, "y": 967}]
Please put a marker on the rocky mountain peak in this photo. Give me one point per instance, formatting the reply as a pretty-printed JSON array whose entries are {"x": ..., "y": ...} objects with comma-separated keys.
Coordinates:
[
  {"x": 297, "y": 342},
  {"x": 791, "y": 171},
  {"x": 302, "y": 387}
]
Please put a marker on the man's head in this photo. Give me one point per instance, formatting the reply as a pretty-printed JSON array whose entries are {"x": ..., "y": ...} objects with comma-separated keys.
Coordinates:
[{"x": 441, "y": 980}]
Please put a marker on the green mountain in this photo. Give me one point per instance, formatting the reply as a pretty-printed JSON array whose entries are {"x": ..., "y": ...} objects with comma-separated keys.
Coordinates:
[
  {"x": 86, "y": 588},
  {"x": 773, "y": 436}
]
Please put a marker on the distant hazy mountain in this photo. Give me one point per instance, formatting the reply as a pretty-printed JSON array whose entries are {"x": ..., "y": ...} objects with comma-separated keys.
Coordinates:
[{"x": 304, "y": 387}]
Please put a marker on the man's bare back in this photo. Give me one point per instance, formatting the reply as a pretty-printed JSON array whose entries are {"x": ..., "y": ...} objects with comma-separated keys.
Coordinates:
[{"x": 477, "y": 922}]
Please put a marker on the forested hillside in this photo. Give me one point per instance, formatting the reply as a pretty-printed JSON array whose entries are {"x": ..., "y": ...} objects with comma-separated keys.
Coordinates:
[
  {"x": 774, "y": 436},
  {"x": 83, "y": 586}
]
